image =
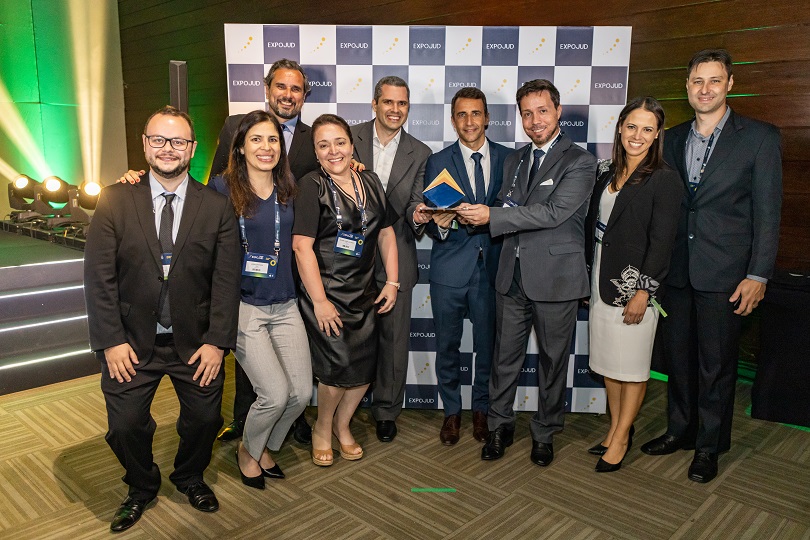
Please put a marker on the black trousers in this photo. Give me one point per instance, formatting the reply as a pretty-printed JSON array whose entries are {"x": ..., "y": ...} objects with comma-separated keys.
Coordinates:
[
  {"x": 131, "y": 426},
  {"x": 244, "y": 396},
  {"x": 701, "y": 339}
]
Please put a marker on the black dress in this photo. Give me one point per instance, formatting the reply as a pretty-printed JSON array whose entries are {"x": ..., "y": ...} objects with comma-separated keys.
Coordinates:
[{"x": 349, "y": 359}]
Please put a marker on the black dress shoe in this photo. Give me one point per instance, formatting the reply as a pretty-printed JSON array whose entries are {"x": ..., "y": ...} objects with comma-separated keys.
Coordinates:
[
  {"x": 542, "y": 453},
  {"x": 231, "y": 431},
  {"x": 201, "y": 497},
  {"x": 302, "y": 433},
  {"x": 604, "y": 466},
  {"x": 498, "y": 441},
  {"x": 665, "y": 445},
  {"x": 703, "y": 468},
  {"x": 386, "y": 430},
  {"x": 256, "y": 482},
  {"x": 600, "y": 449},
  {"x": 273, "y": 472},
  {"x": 128, "y": 514}
]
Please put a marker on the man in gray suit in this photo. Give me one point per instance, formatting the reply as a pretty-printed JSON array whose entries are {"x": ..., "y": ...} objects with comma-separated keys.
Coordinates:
[
  {"x": 724, "y": 255},
  {"x": 399, "y": 160},
  {"x": 541, "y": 274}
]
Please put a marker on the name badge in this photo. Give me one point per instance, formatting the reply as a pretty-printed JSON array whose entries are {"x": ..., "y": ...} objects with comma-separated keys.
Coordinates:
[
  {"x": 510, "y": 203},
  {"x": 349, "y": 243},
  {"x": 259, "y": 265},
  {"x": 600, "y": 231},
  {"x": 166, "y": 261}
]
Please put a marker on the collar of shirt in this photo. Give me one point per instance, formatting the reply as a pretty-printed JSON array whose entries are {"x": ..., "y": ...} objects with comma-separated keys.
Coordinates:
[
  {"x": 717, "y": 129},
  {"x": 289, "y": 132},
  {"x": 383, "y": 156},
  {"x": 392, "y": 144},
  {"x": 545, "y": 148},
  {"x": 469, "y": 163},
  {"x": 467, "y": 152},
  {"x": 158, "y": 190}
]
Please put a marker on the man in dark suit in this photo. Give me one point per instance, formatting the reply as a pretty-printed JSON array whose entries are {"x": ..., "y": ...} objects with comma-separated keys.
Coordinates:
[
  {"x": 464, "y": 261},
  {"x": 724, "y": 255},
  {"x": 286, "y": 88},
  {"x": 399, "y": 161},
  {"x": 542, "y": 273},
  {"x": 161, "y": 282}
]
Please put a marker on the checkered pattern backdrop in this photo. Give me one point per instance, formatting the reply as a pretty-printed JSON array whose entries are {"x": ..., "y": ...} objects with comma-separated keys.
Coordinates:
[{"x": 588, "y": 65}]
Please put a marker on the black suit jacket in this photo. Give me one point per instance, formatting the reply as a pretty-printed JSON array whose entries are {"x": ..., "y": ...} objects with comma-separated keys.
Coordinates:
[
  {"x": 123, "y": 273},
  {"x": 301, "y": 154},
  {"x": 404, "y": 184},
  {"x": 637, "y": 243},
  {"x": 730, "y": 227}
]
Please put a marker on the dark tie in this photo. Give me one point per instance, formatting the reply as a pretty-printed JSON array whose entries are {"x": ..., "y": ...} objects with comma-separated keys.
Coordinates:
[
  {"x": 538, "y": 156},
  {"x": 286, "y": 129},
  {"x": 166, "y": 246},
  {"x": 480, "y": 188}
]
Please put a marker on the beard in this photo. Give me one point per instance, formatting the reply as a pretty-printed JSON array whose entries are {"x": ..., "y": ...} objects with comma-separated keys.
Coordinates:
[
  {"x": 168, "y": 173},
  {"x": 286, "y": 114}
]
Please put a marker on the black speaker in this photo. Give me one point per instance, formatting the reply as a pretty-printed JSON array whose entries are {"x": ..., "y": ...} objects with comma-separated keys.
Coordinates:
[{"x": 178, "y": 84}]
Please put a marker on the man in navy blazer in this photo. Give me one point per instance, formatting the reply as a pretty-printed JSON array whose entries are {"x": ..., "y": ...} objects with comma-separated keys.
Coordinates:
[
  {"x": 724, "y": 254},
  {"x": 541, "y": 272},
  {"x": 161, "y": 283},
  {"x": 464, "y": 261}
]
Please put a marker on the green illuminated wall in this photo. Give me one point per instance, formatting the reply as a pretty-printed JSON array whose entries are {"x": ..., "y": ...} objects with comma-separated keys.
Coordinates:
[{"x": 38, "y": 66}]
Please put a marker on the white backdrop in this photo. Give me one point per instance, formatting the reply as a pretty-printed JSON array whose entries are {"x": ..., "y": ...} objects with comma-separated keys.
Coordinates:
[{"x": 589, "y": 66}]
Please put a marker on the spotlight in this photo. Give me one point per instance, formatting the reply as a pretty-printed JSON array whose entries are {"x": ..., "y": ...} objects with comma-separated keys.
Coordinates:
[
  {"x": 88, "y": 194},
  {"x": 20, "y": 189},
  {"x": 52, "y": 190}
]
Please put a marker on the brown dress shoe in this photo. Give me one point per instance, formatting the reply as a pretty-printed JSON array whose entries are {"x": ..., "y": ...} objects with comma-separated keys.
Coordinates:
[
  {"x": 480, "y": 429},
  {"x": 450, "y": 428}
]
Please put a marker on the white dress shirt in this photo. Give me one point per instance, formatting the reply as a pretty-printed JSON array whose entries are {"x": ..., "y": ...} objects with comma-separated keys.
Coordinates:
[{"x": 384, "y": 156}]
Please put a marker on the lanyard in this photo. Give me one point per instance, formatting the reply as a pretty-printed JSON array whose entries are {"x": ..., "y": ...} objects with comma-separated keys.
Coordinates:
[
  {"x": 243, "y": 233},
  {"x": 360, "y": 205},
  {"x": 526, "y": 154},
  {"x": 706, "y": 156}
]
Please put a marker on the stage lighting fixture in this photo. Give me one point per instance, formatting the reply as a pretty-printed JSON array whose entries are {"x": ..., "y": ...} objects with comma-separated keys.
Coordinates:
[
  {"x": 83, "y": 198},
  {"x": 52, "y": 190},
  {"x": 88, "y": 194},
  {"x": 20, "y": 189}
]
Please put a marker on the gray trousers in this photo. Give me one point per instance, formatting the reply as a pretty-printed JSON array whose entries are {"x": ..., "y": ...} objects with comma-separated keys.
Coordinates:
[
  {"x": 554, "y": 323},
  {"x": 394, "y": 330},
  {"x": 273, "y": 350}
]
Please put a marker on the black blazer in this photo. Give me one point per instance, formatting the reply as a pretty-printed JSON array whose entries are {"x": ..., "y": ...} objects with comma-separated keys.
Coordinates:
[
  {"x": 301, "y": 154},
  {"x": 730, "y": 227},
  {"x": 123, "y": 273},
  {"x": 637, "y": 243}
]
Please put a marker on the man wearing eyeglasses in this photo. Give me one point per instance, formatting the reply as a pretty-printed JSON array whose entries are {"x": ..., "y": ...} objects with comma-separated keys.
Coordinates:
[{"x": 161, "y": 282}]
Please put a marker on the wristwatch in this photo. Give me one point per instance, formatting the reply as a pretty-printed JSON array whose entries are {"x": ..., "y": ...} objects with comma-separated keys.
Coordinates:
[{"x": 394, "y": 283}]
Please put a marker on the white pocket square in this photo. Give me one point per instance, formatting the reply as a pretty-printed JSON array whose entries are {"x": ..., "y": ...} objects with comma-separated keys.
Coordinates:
[{"x": 548, "y": 182}]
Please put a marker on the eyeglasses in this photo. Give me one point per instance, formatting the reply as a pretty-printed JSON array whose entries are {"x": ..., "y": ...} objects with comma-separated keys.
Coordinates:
[{"x": 159, "y": 141}]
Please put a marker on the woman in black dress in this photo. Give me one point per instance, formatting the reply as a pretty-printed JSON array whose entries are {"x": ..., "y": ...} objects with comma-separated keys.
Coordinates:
[{"x": 341, "y": 219}]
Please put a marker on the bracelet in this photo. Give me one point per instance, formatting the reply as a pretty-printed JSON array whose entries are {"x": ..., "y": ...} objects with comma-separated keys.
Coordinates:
[{"x": 394, "y": 283}]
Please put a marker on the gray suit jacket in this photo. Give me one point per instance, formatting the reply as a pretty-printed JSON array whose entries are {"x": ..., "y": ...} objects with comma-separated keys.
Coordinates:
[
  {"x": 730, "y": 227},
  {"x": 404, "y": 183},
  {"x": 549, "y": 225}
]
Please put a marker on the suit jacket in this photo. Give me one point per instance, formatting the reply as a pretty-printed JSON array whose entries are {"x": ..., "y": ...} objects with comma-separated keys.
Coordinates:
[
  {"x": 549, "y": 225},
  {"x": 123, "y": 272},
  {"x": 730, "y": 227},
  {"x": 637, "y": 243},
  {"x": 406, "y": 178},
  {"x": 453, "y": 260},
  {"x": 301, "y": 153}
]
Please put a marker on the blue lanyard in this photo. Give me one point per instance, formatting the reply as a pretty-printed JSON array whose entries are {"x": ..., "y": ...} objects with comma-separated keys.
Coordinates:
[
  {"x": 360, "y": 205},
  {"x": 523, "y": 158},
  {"x": 243, "y": 233},
  {"x": 706, "y": 156}
]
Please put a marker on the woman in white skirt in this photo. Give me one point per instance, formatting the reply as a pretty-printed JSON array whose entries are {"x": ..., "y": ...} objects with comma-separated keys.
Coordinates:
[{"x": 632, "y": 222}]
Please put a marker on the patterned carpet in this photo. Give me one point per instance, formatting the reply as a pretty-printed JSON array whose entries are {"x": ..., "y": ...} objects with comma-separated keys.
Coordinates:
[{"x": 58, "y": 479}]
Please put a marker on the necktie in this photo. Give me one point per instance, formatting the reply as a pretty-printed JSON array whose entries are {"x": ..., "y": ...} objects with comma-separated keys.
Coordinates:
[
  {"x": 480, "y": 188},
  {"x": 166, "y": 246},
  {"x": 287, "y": 136},
  {"x": 538, "y": 156}
]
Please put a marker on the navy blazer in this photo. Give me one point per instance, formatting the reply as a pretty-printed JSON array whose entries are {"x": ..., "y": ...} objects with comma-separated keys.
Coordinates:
[
  {"x": 637, "y": 243},
  {"x": 730, "y": 227},
  {"x": 301, "y": 153},
  {"x": 453, "y": 260}
]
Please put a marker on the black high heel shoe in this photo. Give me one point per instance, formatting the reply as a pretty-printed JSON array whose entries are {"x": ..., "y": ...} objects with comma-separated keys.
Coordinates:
[
  {"x": 256, "y": 482},
  {"x": 604, "y": 466},
  {"x": 600, "y": 449},
  {"x": 273, "y": 472}
]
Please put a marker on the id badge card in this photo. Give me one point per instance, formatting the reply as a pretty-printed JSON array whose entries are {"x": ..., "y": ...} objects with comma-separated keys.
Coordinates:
[
  {"x": 349, "y": 243},
  {"x": 166, "y": 262},
  {"x": 259, "y": 265},
  {"x": 510, "y": 203},
  {"x": 600, "y": 231}
]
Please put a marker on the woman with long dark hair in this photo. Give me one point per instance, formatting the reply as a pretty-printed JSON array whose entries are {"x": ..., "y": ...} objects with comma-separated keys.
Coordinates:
[
  {"x": 342, "y": 219},
  {"x": 632, "y": 221},
  {"x": 272, "y": 344}
]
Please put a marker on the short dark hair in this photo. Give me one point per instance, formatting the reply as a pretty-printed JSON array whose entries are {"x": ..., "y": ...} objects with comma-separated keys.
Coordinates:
[
  {"x": 469, "y": 92},
  {"x": 655, "y": 156},
  {"x": 168, "y": 110},
  {"x": 390, "y": 80},
  {"x": 710, "y": 55},
  {"x": 285, "y": 63},
  {"x": 333, "y": 119},
  {"x": 538, "y": 85}
]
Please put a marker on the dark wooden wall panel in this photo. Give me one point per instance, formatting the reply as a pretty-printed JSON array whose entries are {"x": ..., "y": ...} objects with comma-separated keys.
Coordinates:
[{"x": 769, "y": 39}]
